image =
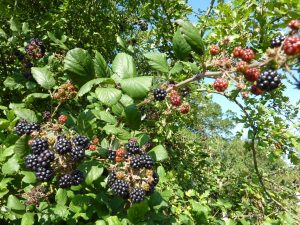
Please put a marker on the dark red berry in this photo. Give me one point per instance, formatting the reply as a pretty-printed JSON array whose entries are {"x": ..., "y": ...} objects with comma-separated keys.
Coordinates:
[
  {"x": 252, "y": 74},
  {"x": 247, "y": 55},
  {"x": 62, "y": 119},
  {"x": 175, "y": 100},
  {"x": 242, "y": 67},
  {"x": 294, "y": 24},
  {"x": 220, "y": 84},
  {"x": 255, "y": 90},
  {"x": 214, "y": 50},
  {"x": 237, "y": 52},
  {"x": 185, "y": 108},
  {"x": 291, "y": 45}
]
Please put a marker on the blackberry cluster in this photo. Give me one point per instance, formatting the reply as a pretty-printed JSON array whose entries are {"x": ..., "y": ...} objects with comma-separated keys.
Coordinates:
[
  {"x": 74, "y": 178},
  {"x": 137, "y": 195},
  {"x": 63, "y": 145},
  {"x": 133, "y": 147},
  {"x": 276, "y": 42},
  {"x": 141, "y": 161},
  {"x": 81, "y": 141},
  {"x": 159, "y": 94},
  {"x": 44, "y": 174},
  {"x": 121, "y": 188},
  {"x": 36, "y": 48},
  {"x": 24, "y": 127},
  {"x": 269, "y": 80},
  {"x": 111, "y": 155},
  {"x": 77, "y": 153}
]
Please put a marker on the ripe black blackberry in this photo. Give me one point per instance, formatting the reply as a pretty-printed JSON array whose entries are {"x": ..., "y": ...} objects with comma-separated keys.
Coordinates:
[
  {"x": 127, "y": 155},
  {"x": 44, "y": 174},
  {"x": 137, "y": 162},
  {"x": 31, "y": 162},
  {"x": 24, "y": 127},
  {"x": 77, "y": 153},
  {"x": 81, "y": 141},
  {"x": 77, "y": 176},
  {"x": 63, "y": 145},
  {"x": 112, "y": 177},
  {"x": 185, "y": 91},
  {"x": 133, "y": 147},
  {"x": 155, "y": 178},
  {"x": 137, "y": 195},
  {"x": 148, "y": 161},
  {"x": 159, "y": 94},
  {"x": 45, "y": 158},
  {"x": 111, "y": 155},
  {"x": 121, "y": 188},
  {"x": 276, "y": 42},
  {"x": 268, "y": 80},
  {"x": 39, "y": 145},
  {"x": 46, "y": 115},
  {"x": 65, "y": 181}
]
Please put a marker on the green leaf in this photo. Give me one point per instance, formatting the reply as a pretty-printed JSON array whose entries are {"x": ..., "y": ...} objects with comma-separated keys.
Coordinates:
[
  {"x": 192, "y": 36},
  {"x": 126, "y": 100},
  {"x": 87, "y": 87},
  {"x": 11, "y": 166},
  {"x": 61, "y": 211},
  {"x": 14, "y": 25},
  {"x": 25, "y": 27},
  {"x": 61, "y": 196},
  {"x": 113, "y": 220},
  {"x": 108, "y": 96},
  {"x": 177, "y": 68},
  {"x": 14, "y": 203},
  {"x": 137, "y": 87},
  {"x": 100, "y": 222},
  {"x": 121, "y": 42},
  {"x": 121, "y": 133},
  {"x": 159, "y": 153},
  {"x": 27, "y": 219},
  {"x": 26, "y": 114},
  {"x": 133, "y": 117},
  {"x": 158, "y": 61},
  {"x": 80, "y": 65},
  {"x": 3, "y": 34},
  {"x": 93, "y": 174},
  {"x": 124, "y": 66},
  {"x": 101, "y": 67},
  {"x": 105, "y": 116},
  {"x": 29, "y": 177},
  {"x": 31, "y": 97},
  {"x": 43, "y": 77},
  {"x": 137, "y": 212},
  {"x": 180, "y": 46},
  {"x": 58, "y": 42},
  {"x": 20, "y": 147}
]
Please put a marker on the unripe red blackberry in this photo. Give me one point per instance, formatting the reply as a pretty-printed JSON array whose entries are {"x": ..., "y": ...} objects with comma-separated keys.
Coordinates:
[
  {"x": 220, "y": 84},
  {"x": 92, "y": 147},
  {"x": 277, "y": 41},
  {"x": 175, "y": 100},
  {"x": 214, "y": 50},
  {"x": 252, "y": 74},
  {"x": 255, "y": 90},
  {"x": 242, "y": 67},
  {"x": 291, "y": 45},
  {"x": 120, "y": 152},
  {"x": 137, "y": 195},
  {"x": 159, "y": 94},
  {"x": 237, "y": 52},
  {"x": 119, "y": 159},
  {"x": 294, "y": 24},
  {"x": 185, "y": 108},
  {"x": 269, "y": 80},
  {"x": 35, "y": 48},
  {"x": 224, "y": 62},
  {"x": 62, "y": 119},
  {"x": 173, "y": 92},
  {"x": 247, "y": 55}
]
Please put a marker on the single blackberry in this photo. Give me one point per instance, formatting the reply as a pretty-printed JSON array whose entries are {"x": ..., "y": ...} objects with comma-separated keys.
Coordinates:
[
  {"x": 36, "y": 48},
  {"x": 77, "y": 176},
  {"x": 46, "y": 115},
  {"x": 111, "y": 155},
  {"x": 155, "y": 178},
  {"x": 44, "y": 174},
  {"x": 21, "y": 127},
  {"x": 133, "y": 147},
  {"x": 159, "y": 94},
  {"x": 121, "y": 188},
  {"x": 39, "y": 145},
  {"x": 81, "y": 141},
  {"x": 63, "y": 145},
  {"x": 65, "y": 181},
  {"x": 137, "y": 195},
  {"x": 148, "y": 161},
  {"x": 77, "y": 153},
  {"x": 276, "y": 42},
  {"x": 269, "y": 80},
  {"x": 33, "y": 127},
  {"x": 31, "y": 162},
  {"x": 112, "y": 177},
  {"x": 45, "y": 158},
  {"x": 137, "y": 162},
  {"x": 185, "y": 91}
]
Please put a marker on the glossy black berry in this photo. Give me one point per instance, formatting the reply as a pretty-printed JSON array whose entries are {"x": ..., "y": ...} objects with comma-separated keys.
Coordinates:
[
  {"x": 111, "y": 155},
  {"x": 39, "y": 145},
  {"x": 185, "y": 91},
  {"x": 77, "y": 176},
  {"x": 277, "y": 41},
  {"x": 133, "y": 147},
  {"x": 23, "y": 127},
  {"x": 137, "y": 195},
  {"x": 63, "y": 145},
  {"x": 45, "y": 158},
  {"x": 148, "y": 161},
  {"x": 155, "y": 178},
  {"x": 268, "y": 80},
  {"x": 121, "y": 188},
  {"x": 31, "y": 162},
  {"x": 65, "y": 181},
  {"x": 44, "y": 174},
  {"x": 137, "y": 162},
  {"x": 81, "y": 141},
  {"x": 77, "y": 153},
  {"x": 159, "y": 94},
  {"x": 111, "y": 178}
]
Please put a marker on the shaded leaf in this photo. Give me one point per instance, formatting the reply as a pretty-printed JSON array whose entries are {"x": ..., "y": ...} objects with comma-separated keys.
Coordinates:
[{"x": 43, "y": 77}]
